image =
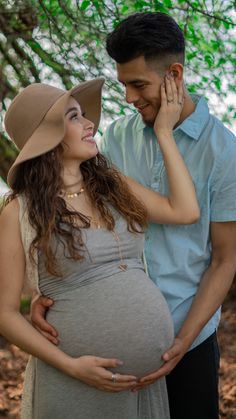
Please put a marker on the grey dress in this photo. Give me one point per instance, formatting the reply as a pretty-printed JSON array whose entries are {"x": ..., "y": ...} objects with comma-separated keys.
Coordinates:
[{"x": 102, "y": 311}]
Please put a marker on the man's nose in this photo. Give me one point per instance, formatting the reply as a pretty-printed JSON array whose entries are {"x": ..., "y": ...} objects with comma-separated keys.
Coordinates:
[{"x": 131, "y": 95}]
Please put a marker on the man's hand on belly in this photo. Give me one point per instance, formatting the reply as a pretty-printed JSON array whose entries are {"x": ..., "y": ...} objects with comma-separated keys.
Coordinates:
[
  {"x": 38, "y": 310},
  {"x": 171, "y": 357}
]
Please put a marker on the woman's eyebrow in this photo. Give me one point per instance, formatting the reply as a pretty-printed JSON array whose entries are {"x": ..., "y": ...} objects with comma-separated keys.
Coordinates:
[{"x": 72, "y": 109}]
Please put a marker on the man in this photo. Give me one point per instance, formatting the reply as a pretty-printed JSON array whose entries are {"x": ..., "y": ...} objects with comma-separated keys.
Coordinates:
[{"x": 192, "y": 265}]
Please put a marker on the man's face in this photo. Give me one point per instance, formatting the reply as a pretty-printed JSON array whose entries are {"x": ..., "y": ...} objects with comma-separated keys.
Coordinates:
[{"x": 142, "y": 87}]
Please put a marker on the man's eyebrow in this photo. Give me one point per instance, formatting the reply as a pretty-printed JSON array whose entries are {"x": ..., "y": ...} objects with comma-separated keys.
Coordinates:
[
  {"x": 72, "y": 109},
  {"x": 134, "y": 81}
]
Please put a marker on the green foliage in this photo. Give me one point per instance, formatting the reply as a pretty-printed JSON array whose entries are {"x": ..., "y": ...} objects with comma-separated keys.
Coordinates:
[
  {"x": 63, "y": 42},
  {"x": 25, "y": 305}
]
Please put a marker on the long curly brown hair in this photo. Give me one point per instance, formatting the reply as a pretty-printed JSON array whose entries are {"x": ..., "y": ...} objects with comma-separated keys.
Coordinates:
[{"x": 40, "y": 181}]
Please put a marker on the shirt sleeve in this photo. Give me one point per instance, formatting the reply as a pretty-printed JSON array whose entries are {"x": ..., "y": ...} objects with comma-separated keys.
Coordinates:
[{"x": 223, "y": 192}]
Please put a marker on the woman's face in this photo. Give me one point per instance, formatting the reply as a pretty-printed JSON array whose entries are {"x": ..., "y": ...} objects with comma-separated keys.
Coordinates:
[{"x": 78, "y": 142}]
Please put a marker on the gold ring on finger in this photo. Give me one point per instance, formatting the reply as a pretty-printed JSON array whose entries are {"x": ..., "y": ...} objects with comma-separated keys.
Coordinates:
[{"x": 113, "y": 378}]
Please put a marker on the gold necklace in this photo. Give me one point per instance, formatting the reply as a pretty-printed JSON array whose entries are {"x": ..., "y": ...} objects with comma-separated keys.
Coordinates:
[{"x": 71, "y": 195}]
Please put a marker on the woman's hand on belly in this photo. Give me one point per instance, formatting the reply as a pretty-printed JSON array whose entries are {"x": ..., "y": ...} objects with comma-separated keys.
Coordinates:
[{"x": 94, "y": 371}]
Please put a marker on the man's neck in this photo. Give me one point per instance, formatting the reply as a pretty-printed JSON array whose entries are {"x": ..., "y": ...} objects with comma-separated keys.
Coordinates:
[{"x": 188, "y": 108}]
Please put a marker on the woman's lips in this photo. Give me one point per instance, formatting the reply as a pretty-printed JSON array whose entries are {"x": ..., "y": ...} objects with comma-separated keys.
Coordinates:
[{"x": 89, "y": 139}]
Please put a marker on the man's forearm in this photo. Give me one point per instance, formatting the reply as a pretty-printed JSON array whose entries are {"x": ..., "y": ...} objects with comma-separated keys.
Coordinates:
[{"x": 213, "y": 288}]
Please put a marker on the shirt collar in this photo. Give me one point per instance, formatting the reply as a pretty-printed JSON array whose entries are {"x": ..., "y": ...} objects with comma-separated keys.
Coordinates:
[{"x": 194, "y": 124}]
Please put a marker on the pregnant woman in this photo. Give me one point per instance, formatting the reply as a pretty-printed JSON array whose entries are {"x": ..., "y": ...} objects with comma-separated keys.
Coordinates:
[{"x": 73, "y": 227}]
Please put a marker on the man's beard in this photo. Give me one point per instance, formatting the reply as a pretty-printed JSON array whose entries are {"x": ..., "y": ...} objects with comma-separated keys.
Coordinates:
[{"x": 148, "y": 123}]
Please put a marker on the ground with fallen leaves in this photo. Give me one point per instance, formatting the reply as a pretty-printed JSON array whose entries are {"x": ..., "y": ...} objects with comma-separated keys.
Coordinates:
[{"x": 13, "y": 361}]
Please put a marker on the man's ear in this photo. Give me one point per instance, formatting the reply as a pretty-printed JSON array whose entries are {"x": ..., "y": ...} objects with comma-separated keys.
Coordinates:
[{"x": 178, "y": 71}]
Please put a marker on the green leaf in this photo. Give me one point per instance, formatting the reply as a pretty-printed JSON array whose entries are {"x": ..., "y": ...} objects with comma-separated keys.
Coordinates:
[
  {"x": 168, "y": 3},
  {"x": 217, "y": 83},
  {"x": 209, "y": 59},
  {"x": 85, "y": 4},
  {"x": 227, "y": 24},
  {"x": 124, "y": 9},
  {"x": 222, "y": 61}
]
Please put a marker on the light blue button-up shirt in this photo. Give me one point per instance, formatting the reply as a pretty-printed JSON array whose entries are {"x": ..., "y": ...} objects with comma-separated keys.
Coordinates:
[{"x": 177, "y": 256}]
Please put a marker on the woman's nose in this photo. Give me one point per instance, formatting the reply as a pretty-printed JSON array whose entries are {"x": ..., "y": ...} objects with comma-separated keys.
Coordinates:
[{"x": 88, "y": 125}]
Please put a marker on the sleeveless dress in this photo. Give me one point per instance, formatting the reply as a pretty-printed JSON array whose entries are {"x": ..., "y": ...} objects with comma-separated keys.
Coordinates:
[{"x": 102, "y": 311}]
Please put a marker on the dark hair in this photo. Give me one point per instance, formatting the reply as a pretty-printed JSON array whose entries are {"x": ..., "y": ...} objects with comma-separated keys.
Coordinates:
[
  {"x": 39, "y": 180},
  {"x": 152, "y": 35}
]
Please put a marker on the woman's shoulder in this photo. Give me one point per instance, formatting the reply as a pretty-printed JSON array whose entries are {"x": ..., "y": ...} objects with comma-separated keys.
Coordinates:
[
  {"x": 10, "y": 212},
  {"x": 10, "y": 225}
]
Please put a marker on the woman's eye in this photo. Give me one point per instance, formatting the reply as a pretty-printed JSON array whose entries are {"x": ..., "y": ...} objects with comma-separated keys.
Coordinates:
[
  {"x": 83, "y": 114},
  {"x": 74, "y": 116}
]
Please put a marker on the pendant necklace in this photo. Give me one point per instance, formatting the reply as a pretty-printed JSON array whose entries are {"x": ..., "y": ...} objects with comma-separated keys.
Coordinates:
[
  {"x": 122, "y": 266},
  {"x": 95, "y": 222}
]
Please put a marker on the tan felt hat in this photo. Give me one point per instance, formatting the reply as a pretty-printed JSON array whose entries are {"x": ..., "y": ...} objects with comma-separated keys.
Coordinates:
[{"x": 35, "y": 119}]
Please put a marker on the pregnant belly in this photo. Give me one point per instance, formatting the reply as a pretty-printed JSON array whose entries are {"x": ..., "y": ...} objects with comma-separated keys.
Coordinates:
[{"x": 124, "y": 316}]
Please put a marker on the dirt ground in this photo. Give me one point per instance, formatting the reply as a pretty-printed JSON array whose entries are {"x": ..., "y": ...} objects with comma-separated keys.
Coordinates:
[{"x": 13, "y": 361}]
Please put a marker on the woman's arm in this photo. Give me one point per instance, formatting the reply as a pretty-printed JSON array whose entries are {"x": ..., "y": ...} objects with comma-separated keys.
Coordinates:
[
  {"x": 91, "y": 370},
  {"x": 180, "y": 206}
]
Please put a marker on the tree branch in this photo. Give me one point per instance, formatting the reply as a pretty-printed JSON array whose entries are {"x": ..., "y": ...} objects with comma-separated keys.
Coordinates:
[
  {"x": 196, "y": 9},
  {"x": 22, "y": 54}
]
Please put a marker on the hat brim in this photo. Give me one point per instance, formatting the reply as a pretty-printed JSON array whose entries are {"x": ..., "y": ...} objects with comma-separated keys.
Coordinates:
[{"x": 51, "y": 131}]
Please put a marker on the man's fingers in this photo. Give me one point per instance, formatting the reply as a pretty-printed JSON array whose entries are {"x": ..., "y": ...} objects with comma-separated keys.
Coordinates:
[
  {"x": 162, "y": 372},
  {"x": 166, "y": 368},
  {"x": 174, "y": 351},
  {"x": 42, "y": 301},
  {"x": 48, "y": 336},
  {"x": 42, "y": 325},
  {"x": 45, "y": 301},
  {"x": 154, "y": 375},
  {"x": 171, "y": 357},
  {"x": 150, "y": 377}
]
